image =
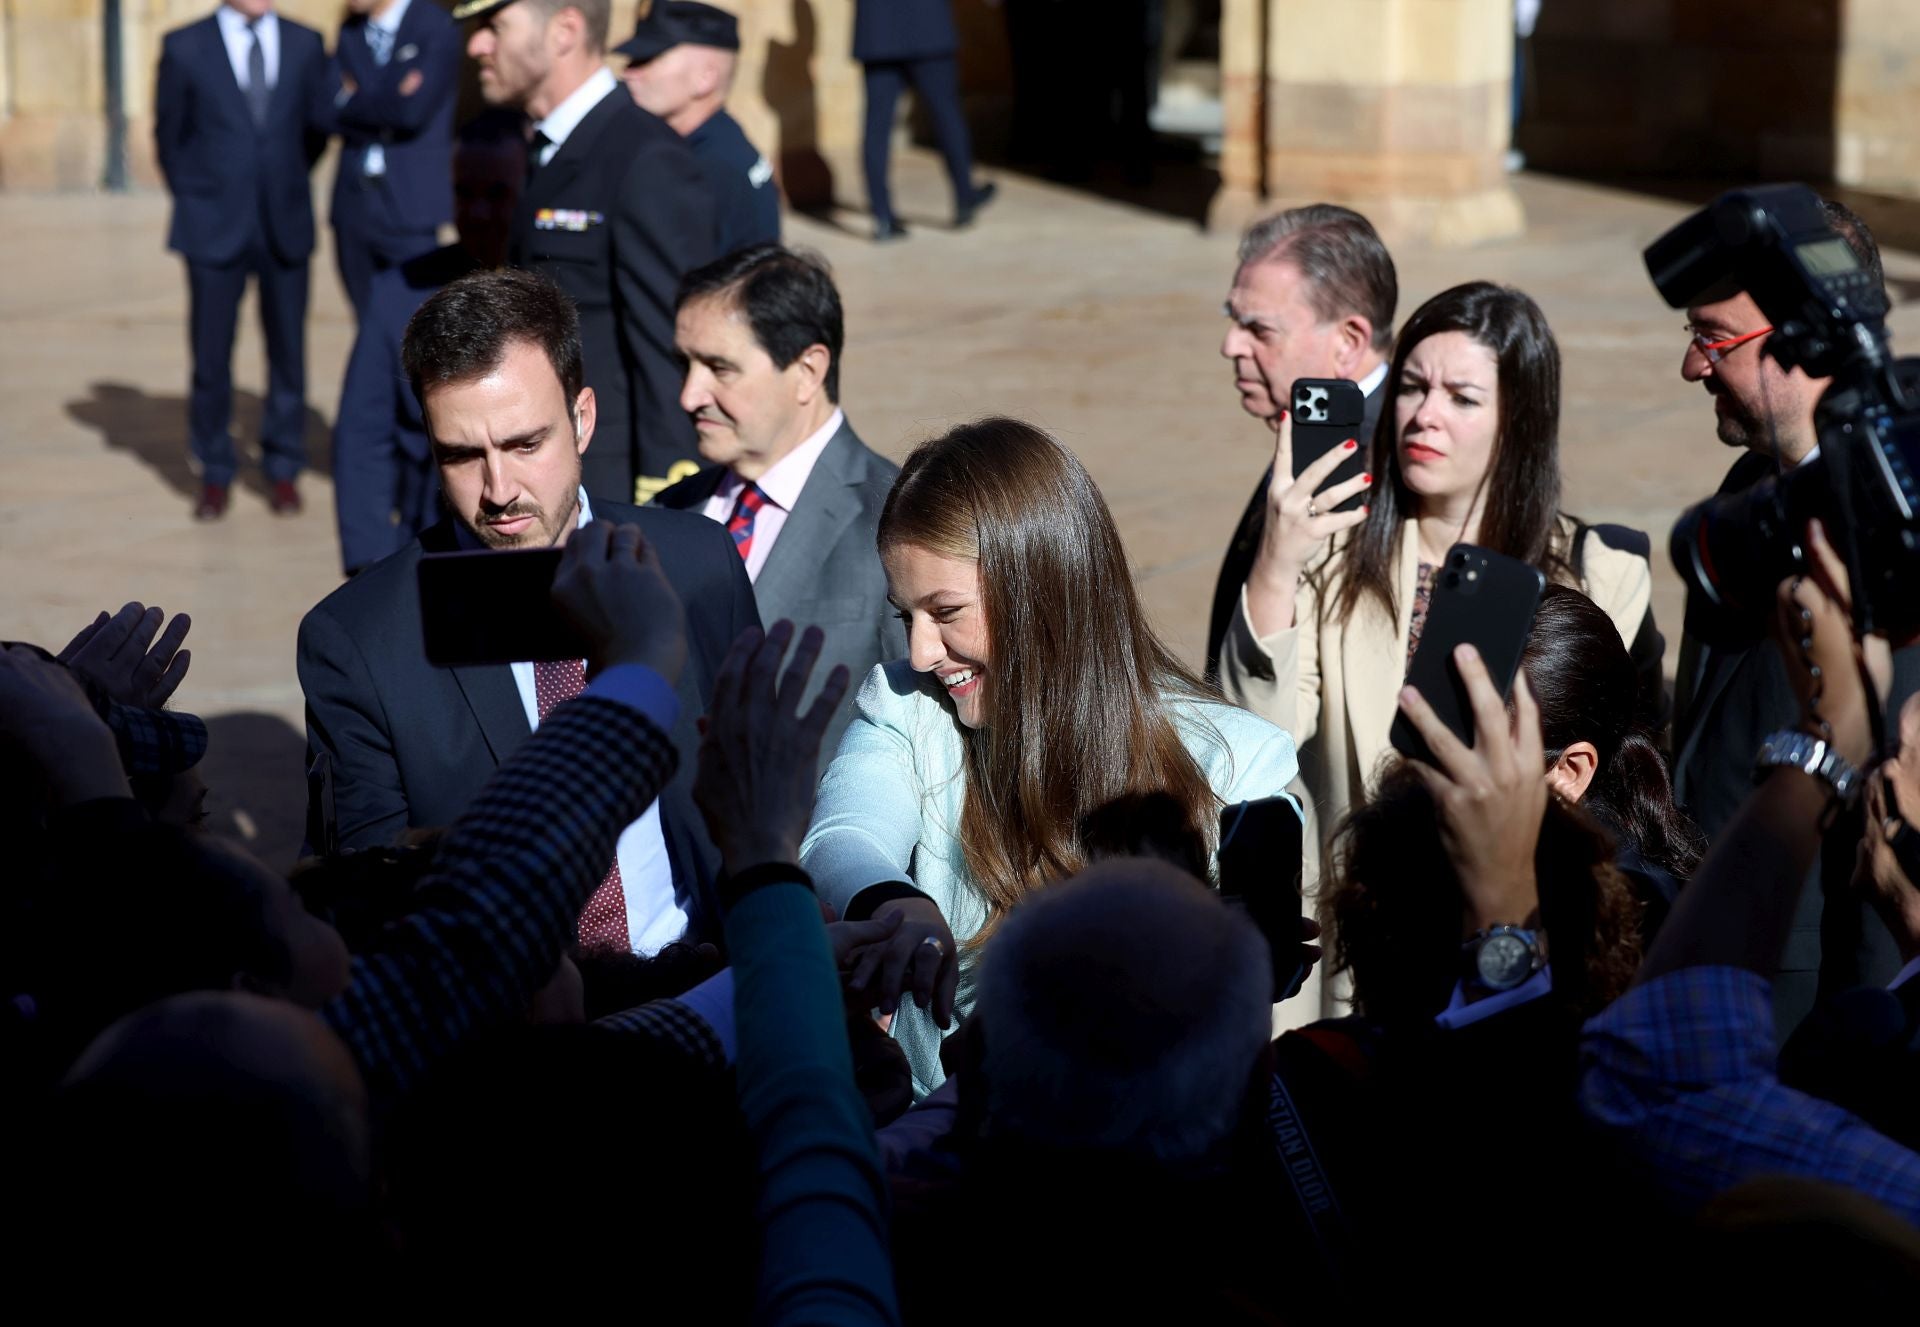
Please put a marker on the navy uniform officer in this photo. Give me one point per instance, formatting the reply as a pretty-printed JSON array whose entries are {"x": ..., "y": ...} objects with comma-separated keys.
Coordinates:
[
  {"x": 615, "y": 211},
  {"x": 682, "y": 58}
]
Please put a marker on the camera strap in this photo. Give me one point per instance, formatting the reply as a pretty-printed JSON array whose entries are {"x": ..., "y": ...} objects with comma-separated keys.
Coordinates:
[{"x": 1300, "y": 1161}]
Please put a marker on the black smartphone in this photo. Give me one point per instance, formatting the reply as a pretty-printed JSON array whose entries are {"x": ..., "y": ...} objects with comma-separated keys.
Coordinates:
[
  {"x": 1327, "y": 413},
  {"x": 1483, "y": 599},
  {"x": 1260, "y": 854},
  {"x": 488, "y": 607}
]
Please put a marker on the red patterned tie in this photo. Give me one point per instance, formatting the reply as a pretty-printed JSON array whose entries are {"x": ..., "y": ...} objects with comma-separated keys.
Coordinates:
[
  {"x": 603, "y": 925},
  {"x": 740, "y": 524}
]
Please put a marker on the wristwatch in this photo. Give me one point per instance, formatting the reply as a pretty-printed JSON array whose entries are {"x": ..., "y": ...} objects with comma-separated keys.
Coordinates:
[
  {"x": 1790, "y": 748},
  {"x": 1502, "y": 957}
]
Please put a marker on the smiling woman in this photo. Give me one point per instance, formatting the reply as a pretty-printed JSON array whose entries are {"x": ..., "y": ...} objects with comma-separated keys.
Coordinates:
[{"x": 1033, "y": 695}]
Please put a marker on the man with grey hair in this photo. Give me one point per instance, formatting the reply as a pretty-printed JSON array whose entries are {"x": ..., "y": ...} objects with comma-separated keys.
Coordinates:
[
  {"x": 1313, "y": 297},
  {"x": 1123, "y": 1012},
  {"x": 615, "y": 211}
]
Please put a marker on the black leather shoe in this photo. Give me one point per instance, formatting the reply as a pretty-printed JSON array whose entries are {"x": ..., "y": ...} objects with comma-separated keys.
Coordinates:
[
  {"x": 886, "y": 232},
  {"x": 964, "y": 213}
]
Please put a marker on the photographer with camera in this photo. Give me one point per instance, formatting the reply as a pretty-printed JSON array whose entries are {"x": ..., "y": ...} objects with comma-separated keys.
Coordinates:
[
  {"x": 1681, "y": 1069},
  {"x": 1731, "y": 690}
]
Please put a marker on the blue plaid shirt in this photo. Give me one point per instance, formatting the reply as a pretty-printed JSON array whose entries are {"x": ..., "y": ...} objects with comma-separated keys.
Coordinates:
[{"x": 1682, "y": 1071}]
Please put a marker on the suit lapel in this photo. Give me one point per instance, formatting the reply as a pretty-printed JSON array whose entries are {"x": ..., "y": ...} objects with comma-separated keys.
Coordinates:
[
  {"x": 826, "y": 506},
  {"x": 1374, "y": 666},
  {"x": 559, "y": 174},
  {"x": 495, "y": 702},
  {"x": 224, "y": 78}
]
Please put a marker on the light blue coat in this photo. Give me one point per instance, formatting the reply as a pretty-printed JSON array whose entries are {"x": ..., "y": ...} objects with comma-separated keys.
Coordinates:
[{"x": 889, "y": 810}]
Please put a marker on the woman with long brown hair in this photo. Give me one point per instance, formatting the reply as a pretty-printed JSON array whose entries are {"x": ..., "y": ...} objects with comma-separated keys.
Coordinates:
[
  {"x": 1034, "y": 694},
  {"x": 1467, "y": 451}
]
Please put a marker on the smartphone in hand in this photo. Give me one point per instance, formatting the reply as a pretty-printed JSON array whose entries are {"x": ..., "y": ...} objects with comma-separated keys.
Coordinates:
[
  {"x": 1260, "y": 854},
  {"x": 1326, "y": 413},
  {"x": 487, "y": 607},
  {"x": 1483, "y": 599}
]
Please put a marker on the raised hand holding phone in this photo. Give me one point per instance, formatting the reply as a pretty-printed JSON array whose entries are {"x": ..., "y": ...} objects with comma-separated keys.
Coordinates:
[
  {"x": 1490, "y": 796},
  {"x": 1302, "y": 516}
]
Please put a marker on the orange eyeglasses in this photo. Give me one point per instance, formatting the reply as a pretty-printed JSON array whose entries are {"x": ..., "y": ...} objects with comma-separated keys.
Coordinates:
[{"x": 1715, "y": 351}]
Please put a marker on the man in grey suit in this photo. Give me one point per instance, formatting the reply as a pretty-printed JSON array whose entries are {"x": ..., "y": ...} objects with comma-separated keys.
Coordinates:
[{"x": 758, "y": 337}]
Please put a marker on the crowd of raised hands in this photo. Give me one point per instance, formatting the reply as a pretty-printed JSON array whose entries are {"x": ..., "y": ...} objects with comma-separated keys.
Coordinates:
[{"x": 213, "y": 1092}]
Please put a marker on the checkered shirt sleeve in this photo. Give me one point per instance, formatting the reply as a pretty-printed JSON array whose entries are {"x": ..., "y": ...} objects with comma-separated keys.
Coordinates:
[
  {"x": 674, "y": 1024},
  {"x": 1681, "y": 1070},
  {"x": 505, "y": 894},
  {"x": 157, "y": 741}
]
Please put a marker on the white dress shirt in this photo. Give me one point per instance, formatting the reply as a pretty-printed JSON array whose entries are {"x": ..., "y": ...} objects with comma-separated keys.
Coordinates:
[
  {"x": 239, "y": 38},
  {"x": 656, "y": 913},
  {"x": 566, "y": 117},
  {"x": 781, "y": 483},
  {"x": 1371, "y": 383}
]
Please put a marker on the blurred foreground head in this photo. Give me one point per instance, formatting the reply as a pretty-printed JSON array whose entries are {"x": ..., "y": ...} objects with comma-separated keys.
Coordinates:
[
  {"x": 1123, "y": 1011},
  {"x": 206, "y": 1141}
]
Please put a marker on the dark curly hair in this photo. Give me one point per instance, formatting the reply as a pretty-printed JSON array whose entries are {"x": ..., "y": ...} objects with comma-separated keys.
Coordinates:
[{"x": 1392, "y": 905}]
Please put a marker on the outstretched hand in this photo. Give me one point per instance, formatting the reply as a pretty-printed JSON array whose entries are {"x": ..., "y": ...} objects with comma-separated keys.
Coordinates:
[
  {"x": 119, "y": 654},
  {"x": 610, "y": 586},
  {"x": 759, "y": 756},
  {"x": 1491, "y": 797},
  {"x": 1825, "y": 661}
]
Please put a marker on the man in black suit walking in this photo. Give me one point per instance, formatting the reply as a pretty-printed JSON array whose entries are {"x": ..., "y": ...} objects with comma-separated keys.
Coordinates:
[
  {"x": 1313, "y": 298},
  {"x": 237, "y": 128},
  {"x": 495, "y": 359},
  {"x": 800, "y": 494},
  {"x": 901, "y": 42},
  {"x": 1729, "y": 694},
  {"x": 616, "y": 210}
]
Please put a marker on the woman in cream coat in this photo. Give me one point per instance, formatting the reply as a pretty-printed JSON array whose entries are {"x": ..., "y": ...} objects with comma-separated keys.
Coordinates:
[
  {"x": 1467, "y": 451},
  {"x": 1033, "y": 696}
]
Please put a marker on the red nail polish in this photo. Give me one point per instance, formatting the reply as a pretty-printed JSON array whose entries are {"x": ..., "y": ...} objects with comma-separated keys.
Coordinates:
[
  {"x": 1350, "y": 444},
  {"x": 1366, "y": 479}
]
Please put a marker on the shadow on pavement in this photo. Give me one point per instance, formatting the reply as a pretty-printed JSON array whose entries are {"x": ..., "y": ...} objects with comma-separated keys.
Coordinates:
[
  {"x": 153, "y": 429},
  {"x": 255, "y": 772}
]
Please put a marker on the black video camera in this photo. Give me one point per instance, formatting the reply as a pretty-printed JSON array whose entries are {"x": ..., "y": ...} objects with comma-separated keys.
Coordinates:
[{"x": 1829, "y": 319}]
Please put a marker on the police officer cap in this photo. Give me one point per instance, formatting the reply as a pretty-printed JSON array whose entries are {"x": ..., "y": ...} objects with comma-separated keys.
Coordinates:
[{"x": 680, "y": 23}]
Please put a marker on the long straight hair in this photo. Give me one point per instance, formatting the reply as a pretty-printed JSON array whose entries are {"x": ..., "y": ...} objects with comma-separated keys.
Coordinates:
[
  {"x": 1521, "y": 514},
  {"x": 1076, "y": 684}
]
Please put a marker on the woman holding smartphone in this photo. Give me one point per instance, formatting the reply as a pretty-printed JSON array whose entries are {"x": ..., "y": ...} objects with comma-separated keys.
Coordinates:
[
  {"x": 1467, "y": 451},
  {"x": 1034, "y": 695}
]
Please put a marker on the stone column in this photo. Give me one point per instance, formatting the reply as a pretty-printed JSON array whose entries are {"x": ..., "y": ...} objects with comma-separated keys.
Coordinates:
[
  {"x": 1877, "y": 102},
  {"x": 54, "y": 131},
  {"x": 1243, "y": 58},
  {"x": 1396, "y": 107}
]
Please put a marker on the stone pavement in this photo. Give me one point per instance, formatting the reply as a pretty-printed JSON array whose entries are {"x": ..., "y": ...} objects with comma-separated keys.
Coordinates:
[{"x": 1097, "y": 320}]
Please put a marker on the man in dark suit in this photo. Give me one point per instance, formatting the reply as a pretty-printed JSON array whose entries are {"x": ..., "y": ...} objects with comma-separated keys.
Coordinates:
[
  {"x": 1731, "y": 691},
  {"x": 395, "y": 71},
  {"x": 495, "y": 359},
  {"x": 1313, "y": 298},
  {"x": 901, "y": 42},
  {"x": 236, "y": 116},
  {"x": 681, "y": 60},
  {"x": 616, "y": 210},
  {"x": 760, "y": 332}
]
